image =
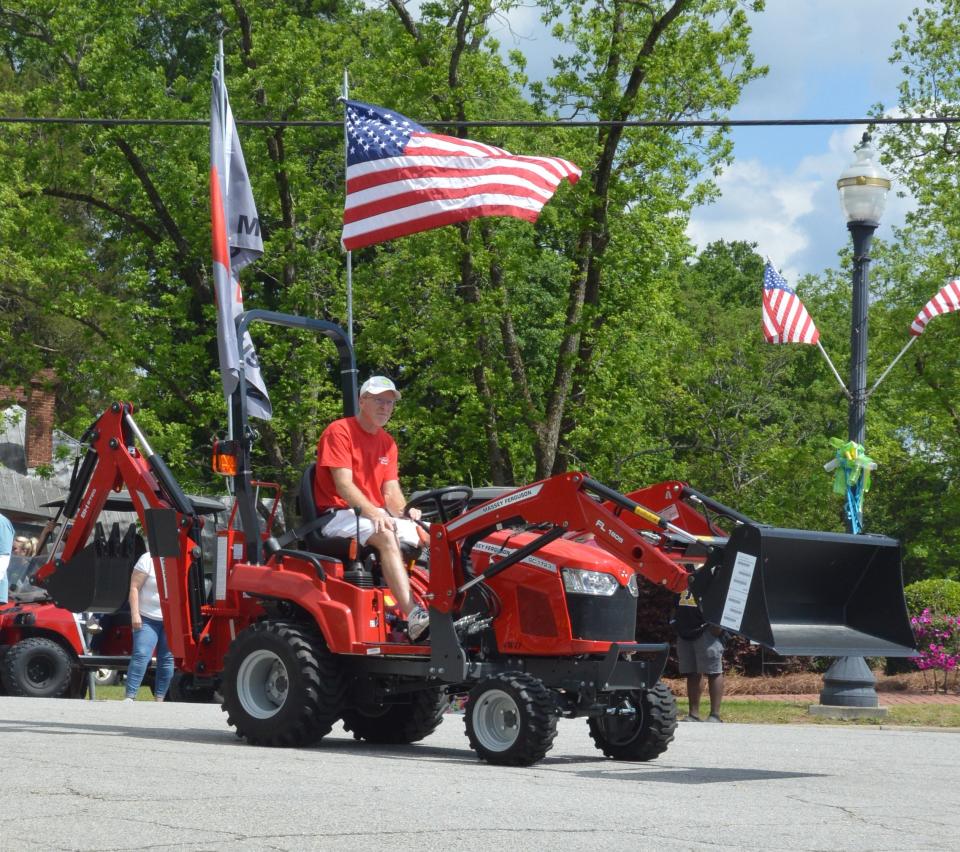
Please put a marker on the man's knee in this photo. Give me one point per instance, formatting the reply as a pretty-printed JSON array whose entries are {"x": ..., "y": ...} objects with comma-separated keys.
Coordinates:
[{"x": 385, "y": 542}]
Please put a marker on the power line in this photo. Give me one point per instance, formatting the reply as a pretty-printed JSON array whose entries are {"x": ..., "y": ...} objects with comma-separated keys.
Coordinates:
[{"x": 659, "y": 122}]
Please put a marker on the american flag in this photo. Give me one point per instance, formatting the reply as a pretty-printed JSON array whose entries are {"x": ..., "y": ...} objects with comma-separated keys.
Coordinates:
[
  {"x": 402, "y": 179},
  {"x": 785, "y": 319},
  {"x": 947, "y": 300}
]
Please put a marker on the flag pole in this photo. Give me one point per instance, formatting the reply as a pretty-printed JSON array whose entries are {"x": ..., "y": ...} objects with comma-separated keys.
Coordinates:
[
  {"x": 226, "y": 187},
  {"x": 346, "y": 146},
  {"x": 823, "y": 352},
  {"x": 902, "y": 352}
]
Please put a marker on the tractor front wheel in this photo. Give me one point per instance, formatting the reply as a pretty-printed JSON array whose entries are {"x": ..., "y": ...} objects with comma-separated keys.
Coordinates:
[
  {"x": 639, "y": 726},
  {"x": 511, "y": 719},
  {"x": 37, "y": 668},
  {"x": 281, "y": 686},
  {"x": 395, "y": 724}
]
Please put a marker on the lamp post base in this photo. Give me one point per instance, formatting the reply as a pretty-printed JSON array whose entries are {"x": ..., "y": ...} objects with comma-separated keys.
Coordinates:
[{"x": 849, "y": 683}]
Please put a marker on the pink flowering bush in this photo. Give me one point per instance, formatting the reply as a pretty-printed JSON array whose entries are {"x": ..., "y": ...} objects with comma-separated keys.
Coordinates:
[{"x": 938, "y": 641}]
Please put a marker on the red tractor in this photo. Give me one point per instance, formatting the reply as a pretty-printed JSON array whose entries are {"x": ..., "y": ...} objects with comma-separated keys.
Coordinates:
[{"x": 527, "y": 618}]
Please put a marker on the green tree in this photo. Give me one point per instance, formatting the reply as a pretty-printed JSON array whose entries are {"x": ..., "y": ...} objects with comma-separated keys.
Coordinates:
[
  {"x": 553, "y": 325},
  {"x": 917, "y": 402}
]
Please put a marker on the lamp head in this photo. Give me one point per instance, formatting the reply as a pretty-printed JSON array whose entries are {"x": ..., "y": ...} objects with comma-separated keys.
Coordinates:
[{"x": 864, "y": 185}]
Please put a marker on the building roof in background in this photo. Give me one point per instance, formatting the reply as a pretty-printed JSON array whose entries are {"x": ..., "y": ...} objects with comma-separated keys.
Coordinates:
[{"x": 22, "y": 497}]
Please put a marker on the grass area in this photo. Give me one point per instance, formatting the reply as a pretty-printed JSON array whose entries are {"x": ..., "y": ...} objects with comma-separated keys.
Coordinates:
[
  {"x": 795, "y": 712},
  {"x": 118, "y": 693}
]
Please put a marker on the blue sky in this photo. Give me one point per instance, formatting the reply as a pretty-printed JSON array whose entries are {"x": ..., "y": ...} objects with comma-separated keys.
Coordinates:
[{"x": 827, "y": 59}]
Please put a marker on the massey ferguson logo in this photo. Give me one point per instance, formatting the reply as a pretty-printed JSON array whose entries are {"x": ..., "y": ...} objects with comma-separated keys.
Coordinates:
[
  {"x": 248, "y": 226},
  {"x": 612, "y": 533}
]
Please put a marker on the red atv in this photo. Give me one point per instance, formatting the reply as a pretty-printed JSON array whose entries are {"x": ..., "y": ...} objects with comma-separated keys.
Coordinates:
[{"x": 47, "y": 651}]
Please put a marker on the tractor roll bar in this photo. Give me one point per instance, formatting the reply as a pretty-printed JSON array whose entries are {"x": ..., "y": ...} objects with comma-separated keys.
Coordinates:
[
  {"x": 348, "y": 367},
  {"x": 243, "y": 435}
]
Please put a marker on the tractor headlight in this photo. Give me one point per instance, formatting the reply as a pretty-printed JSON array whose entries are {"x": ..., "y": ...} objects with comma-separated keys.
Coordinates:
[
  {"x": 579, "y": 582},
  {"x": 632, "y": 586}
]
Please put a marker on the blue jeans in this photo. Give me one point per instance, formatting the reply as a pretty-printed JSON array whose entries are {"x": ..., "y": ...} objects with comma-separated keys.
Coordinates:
[{"x": 148, "y": 637}]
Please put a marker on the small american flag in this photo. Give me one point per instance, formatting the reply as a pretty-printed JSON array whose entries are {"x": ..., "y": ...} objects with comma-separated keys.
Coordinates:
[
  {"x": 402, "y": 179},
  {"x": 947, "y": 300},
  {"x": 785, "y": 319}
]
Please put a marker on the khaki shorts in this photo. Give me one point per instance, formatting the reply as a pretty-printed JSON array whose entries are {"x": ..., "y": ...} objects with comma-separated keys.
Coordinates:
[{"x": 703, "y": 655}]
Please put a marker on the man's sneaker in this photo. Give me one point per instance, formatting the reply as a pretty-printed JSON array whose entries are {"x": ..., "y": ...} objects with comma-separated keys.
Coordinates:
[
  {"x": 714, "y": 718},
  {"x": 418, "y": 623},
  {"x": 127, "y": 700}
]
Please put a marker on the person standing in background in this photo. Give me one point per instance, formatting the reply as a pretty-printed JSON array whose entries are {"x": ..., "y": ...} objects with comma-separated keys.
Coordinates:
[
  {"x": 146, "y": 619},
  {"x": 700, "y": 652},
  {"x": 6, "y": 548}
]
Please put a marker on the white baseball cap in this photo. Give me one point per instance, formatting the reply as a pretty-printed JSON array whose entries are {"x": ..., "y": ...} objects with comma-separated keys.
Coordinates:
[{"x": 377, "y": 385}]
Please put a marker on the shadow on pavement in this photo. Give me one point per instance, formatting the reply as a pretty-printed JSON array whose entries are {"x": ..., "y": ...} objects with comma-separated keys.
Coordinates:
[
  {"x": 693, "y": 775},
  {"x": 193, "y": 735}
]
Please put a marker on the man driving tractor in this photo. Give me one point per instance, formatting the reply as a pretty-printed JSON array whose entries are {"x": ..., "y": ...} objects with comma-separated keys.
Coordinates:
[{"x": 357, "y": 481}]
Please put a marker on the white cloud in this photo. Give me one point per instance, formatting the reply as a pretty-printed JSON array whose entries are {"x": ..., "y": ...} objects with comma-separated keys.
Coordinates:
[
  {"x": 761, "y": 205},
  {"x": 793, "y": 214}
]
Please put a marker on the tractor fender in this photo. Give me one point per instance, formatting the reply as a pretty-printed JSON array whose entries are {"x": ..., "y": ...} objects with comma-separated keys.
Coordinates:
[{"x": 334, "y": 619}]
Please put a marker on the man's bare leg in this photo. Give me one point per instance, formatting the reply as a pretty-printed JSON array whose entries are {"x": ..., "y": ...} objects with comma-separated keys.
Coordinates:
[
  {"x": 715, "y": 687},
  {"x": 394, "y": 571}
]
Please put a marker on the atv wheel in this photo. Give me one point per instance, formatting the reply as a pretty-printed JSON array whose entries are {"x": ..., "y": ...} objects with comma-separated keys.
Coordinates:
[
  {"x": 281, "y": 686},
  {"x": 409, "y": 722},
  {"x": 37, "y": 668},
  {"x": 642, "y": 730},
  {"x": 511, "y": 719}
]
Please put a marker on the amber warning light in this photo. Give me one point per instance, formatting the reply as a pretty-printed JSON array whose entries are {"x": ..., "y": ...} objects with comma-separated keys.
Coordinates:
[{"x": 223, "y": 460}]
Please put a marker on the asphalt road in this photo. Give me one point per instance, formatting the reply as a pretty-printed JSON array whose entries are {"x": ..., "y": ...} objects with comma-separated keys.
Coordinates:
[{"x": 108, "y": 776}]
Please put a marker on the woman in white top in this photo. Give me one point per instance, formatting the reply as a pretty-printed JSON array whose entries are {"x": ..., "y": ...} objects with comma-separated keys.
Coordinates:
[{"x": 146, "y": 618}]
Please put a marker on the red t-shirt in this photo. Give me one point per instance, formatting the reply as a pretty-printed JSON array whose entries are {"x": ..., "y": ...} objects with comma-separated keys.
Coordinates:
[{"x": 372, "y": 458}]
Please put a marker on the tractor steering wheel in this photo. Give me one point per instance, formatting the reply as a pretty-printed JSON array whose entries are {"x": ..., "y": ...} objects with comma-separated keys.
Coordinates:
[{"x": 442, "y": 505}]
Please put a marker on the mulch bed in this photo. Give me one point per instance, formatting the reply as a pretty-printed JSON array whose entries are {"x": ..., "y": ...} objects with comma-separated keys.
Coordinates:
[{"x": 806, "y": 683}]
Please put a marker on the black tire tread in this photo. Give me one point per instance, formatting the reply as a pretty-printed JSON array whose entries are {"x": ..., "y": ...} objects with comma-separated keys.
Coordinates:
[
  {"x": 540, "y": 727},
  {"x": 409, "y": 722},
  {"x": 658, "y": 725},
  {"x": 317, "y": 670},
  {"x": 15, "y": 662}
]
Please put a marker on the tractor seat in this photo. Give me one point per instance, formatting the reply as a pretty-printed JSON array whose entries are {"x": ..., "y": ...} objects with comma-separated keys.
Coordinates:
[{"x": 336, "y": 547}]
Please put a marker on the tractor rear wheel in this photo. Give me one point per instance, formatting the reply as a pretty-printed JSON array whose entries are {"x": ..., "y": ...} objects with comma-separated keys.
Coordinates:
[
  {"x": 37, "y": 668},
  {"x": 642, "y": 726},
  {"x": 511, "y": 719},
  {"x": 409, "y": 722},
  {"x": 281, "y": 686}
]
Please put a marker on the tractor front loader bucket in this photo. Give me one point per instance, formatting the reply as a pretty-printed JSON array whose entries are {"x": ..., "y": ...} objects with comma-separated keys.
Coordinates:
[
  {"x": 805, "y": 593},
  {"x": 97, "y": 578}
]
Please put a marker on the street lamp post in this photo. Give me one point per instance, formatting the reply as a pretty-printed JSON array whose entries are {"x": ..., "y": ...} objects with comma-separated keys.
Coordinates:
[{"x": 863, "y": 188}]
